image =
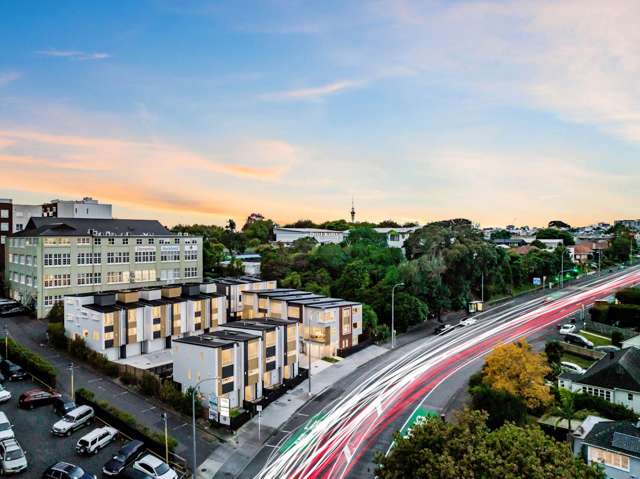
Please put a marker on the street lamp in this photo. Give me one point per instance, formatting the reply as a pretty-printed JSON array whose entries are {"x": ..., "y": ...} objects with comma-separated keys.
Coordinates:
[
  {"x": 6, "y": 342},
  {"x": 71, "y": 367},
  {"x": 193, "y": 411},
  {"x": 166, "y": 437},
  {"x": 393, "y": 314},
  {"x": 475, "y": 255}
]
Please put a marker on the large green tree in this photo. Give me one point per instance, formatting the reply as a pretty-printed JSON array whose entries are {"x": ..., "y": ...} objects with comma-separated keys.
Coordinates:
[{"x": 467, "y": 448}]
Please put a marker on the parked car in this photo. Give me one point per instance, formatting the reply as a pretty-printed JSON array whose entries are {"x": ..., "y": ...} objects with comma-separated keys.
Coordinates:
[
  {"x": 64, "y": 470},
  {"x": 609, "y": 348},
  {"x": 5, "y": 395},
  {"x": 468, "y": 321},
  {"x": 13, "y": 311},
  {"x": 79, "y": 417},
  {"x": 155, "y": 467},
  {"x": 567, "y": 328},
  {"x": 131, "y": 473},
  {"x": 12, "y": 371},
  {"x": 63, "y": 405},
  {"x": 443, "y": 329},
  {"x": 123, "y": 458},
  {"x": 572, "y": 367},
  {"x": 6, "y": 428},
  {"x": 92, "y": 442},
  {"x": 12, "y": 457},
  {"x": 36, "y": 398},
  {"x": 578, "y": 340}
]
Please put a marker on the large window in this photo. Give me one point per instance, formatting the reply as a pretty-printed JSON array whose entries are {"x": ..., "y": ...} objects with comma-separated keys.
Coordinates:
[
  {"x": 190, "y": 272},
  {"x": 191, "y": 255},
  {"x": 57, "y": 280},
  {"x": 142, "y": 275},
  {"x": 170, "y": 256},
  {"x": 170, "y": 274},
  {"x": 89, "y": 258},
  {"x": 145, "y": 256},
  {"x": 57, "y": 241},
  {"x": 609, "y": 458},
  {"x": 118, "y": 257},
  {"x": 51, "y": 300},
  {"x": 83, "y": 241},
  {"x": 346, "y": 321},
  {"x": 84, "y": 279},
  {"x": 57, "y": 259},
  {"x": 114, "y": 277}
]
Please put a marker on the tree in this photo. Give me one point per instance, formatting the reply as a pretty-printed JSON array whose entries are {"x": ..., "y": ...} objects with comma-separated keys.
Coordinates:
[
  {"x": 621, "y": 247},
  {"x": 553, "y": 351},
  {"x": 353, "y": 281},
  {"x": 388, "y": 224},
  {"x": 500, "y": 406},
  {"x": 302, "y": 224},
  {"x": 409, "y": 311},
  {"x": 558, "y": 224},
  {"x": 261, "y": 230},
  {"x": 467, "y": 448},
  {"x": 565, "y": 409},
  {"x": 517, "y": 369},
  {"x": 292, "y": 280},
  {"x": 252, "y": 218},
  {"x": 538, "y": 244},
  {"x": 554, "y": 233},
  {"x": 56, "y": 313},
  {"x": 366, "y": 235},
  {"x": 500, "y": 234}
]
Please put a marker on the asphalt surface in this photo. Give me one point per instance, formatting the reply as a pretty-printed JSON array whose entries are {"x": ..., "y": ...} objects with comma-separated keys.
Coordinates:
[
  {"x": 447, "y": 396},
  {"x": 32, "y": 430}
]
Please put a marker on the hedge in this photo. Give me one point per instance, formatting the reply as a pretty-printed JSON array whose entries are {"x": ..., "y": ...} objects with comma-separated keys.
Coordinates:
[
  {"x": 31, "y": 362},
  {"x": 57, "y": 337},
  {"x": 78, "y": 349},
  {"x": 114, "y": 415},
  {"x": 609, "y": 410},
  {"x": 629, "y": 296}
]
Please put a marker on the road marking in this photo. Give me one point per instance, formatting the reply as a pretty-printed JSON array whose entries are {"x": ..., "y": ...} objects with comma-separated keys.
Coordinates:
[
  {"x": 94, "y": 380},
  {"x": 149, "y": 409},
  {"x": 302, "y": 414},
  {"x": 284, "y": 430},
  {"x": 180, "y": 426},
  {"x": 269, "y": 445},
  {"x": 122, "y": 393}
]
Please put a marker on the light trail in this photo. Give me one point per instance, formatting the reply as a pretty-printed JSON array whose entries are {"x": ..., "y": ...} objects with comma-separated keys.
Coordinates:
[{"x": 352, "y": 423}]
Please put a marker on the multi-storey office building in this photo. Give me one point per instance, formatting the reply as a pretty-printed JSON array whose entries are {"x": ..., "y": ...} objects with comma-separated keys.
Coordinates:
[
  {"x": 54, "y": 257},
  {"x": 125, "y": 324},
  {"x": 242, "y": 360},
  {"x": 233, "y": 287},
  {"x": 6, "y": 220},
  {"x": 328, "y": 324},
  {"x": 85, "y": 208}
]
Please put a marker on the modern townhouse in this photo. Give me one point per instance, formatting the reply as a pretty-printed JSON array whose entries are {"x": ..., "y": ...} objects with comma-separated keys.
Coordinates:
[
  {"x": 328, "y": 324},
  {"x": 236, "y": 365},
  {"x": 615, "y": 378},
  {"x": 234, "y": 287},
  {"x": 128, "y": 324},
  {"x": 53, "y": 257}
]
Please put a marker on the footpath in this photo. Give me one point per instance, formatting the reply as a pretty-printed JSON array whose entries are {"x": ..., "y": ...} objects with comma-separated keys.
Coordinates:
[{"x": 231, "y": 457}]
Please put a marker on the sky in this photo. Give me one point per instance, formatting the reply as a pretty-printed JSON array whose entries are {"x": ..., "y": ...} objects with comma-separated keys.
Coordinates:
[{"x": 503, "y": 112}]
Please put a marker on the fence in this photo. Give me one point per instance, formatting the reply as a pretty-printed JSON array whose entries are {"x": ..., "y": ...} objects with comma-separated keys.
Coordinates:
[
  {"x": 343, "y": 353},
  {"x": 580, "y": 351},
  {"x": 607, "y": 329}
]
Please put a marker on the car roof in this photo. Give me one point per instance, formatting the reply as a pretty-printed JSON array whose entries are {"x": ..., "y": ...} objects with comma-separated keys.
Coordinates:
[
  {"x": 152, "y": 460},
  {"x": 131, "y": 445},
  {"x": 3, "y": 417},
  {"x": 80, "y": 409}
]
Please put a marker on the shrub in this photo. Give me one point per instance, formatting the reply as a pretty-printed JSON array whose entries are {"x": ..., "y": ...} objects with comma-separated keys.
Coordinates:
[
  {"x": 31, "y": 362},
  {"x": 86, "y": 394},
  {"x": 629, "y": 296},
  {"x": 625, "y": 315},
  {"x": 129, "y": 379},
  {"x": 617, "y": 338},
  {"x": 78, "y": 348},
  {"x": 56, "y": 313},
  {"x": 599, "y": 313},
  {"x": 150, "y": 385},
  {"x": 501, "y": 406},
  {"x": 609, "y": 410},
  {"x": 56, "y": 335}
]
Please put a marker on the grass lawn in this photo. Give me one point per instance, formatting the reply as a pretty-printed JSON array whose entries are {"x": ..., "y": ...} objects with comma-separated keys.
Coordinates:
[
  {"x": 579, "y": 360},
  {"x": 595, "y": 338}
]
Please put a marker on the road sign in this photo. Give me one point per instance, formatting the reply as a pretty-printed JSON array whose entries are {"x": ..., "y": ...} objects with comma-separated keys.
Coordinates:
[
  {"x": 224, "y": 407},
  {"x": 259, "y": 408},
  {"x": 537, "y": 281},
  {"x": 213, "y": 408},
  {"x": 303, "y": 431}
]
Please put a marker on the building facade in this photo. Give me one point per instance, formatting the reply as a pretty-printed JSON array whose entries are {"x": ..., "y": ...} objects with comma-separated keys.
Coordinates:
[
  {"x": 234, "y": 287},
  {"x": 6, "y": 221},
  {"x": 125, "y": 324},
  {"x": 395, "y": 236},
  {"x": 85, "y": 208},
  {"x": 327, "y": 324},
  {"x": 53, "y": 257}
]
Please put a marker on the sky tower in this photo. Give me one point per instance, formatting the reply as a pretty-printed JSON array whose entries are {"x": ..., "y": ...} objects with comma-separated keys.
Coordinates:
[{"x": 353, "y": 211}]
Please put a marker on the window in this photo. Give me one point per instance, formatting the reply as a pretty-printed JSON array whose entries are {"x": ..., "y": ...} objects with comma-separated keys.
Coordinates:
[
  {"x": 170, "y": 256},
  {"x": 51, "y": 300},
  {"x": 609, "y": 458},
  {"x": 125, "y": 241},
  {"x": 56, "y": 242},
  {"x": 114, "y": 277},
  {"x": 630, "y": 397},
  {"x": 111, "y": 241},
  {"x": 191, "y": 272},
  {"x": 227, "y": 357},
  {"x": 151, "y": 241},
  {"x": 176, "y": 240},
  {"x": 89, "y": 278},
  {"x": 346, "y": 321},
  {"x": 30, "y": 260},
  {"x": 4, "y": 226},
  {"x": 96, "y": 336},
  {"x": 145, "y": 256},
  {"x": 4, "y": 213},
  {"x": 57, "y": 259},
  {"x": 118, "y": 257},
  {"x": 170, "y": 274},
  {"x": 145, "y": 275},
  {"x": 138, "y": 240},
  {"x": 83, "y": 241},
  {"x": 57, "y": 280},
  {"x": 97, "y": 241},
  {"x": 89, "y": 258},
  {"x": 191, "y": 255}
]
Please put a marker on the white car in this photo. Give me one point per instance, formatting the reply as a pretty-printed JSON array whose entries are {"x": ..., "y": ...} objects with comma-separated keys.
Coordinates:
[
  {"x": 6, "y": 429},
  {"x": 468, "y": 322},
  {"x": 12, "y": 456},
  {"x": 155, "y": 468},
  {"x": 92, "y": 442},
  {"x": 572, "y": 367},
  {"x": 4, "y": 394},
  {"x": 567, "y": 328},
  {"x": 74, "y": 419}
]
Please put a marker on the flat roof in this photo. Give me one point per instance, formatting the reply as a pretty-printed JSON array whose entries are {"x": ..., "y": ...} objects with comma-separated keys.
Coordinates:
[
  {"x": 248, "y": 324},
  {"x": 205, "y": 340},
  {"x": 232, "y": 335},
  {"x": 238, "y": 280},
  {"x": 276, "y": 321},
  {"x": 103, "y": 309},
  {"x": 267, "y": 290},
  {"x": 332, "y": 304},
  {"x": 150, "y": 360}
]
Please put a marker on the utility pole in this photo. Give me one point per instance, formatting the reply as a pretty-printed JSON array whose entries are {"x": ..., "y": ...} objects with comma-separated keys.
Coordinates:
[
  {"x": 393, "y": 315},
  {"x": 6, "y": 341},
  {"x": 562, "y": 268},
  {"x": 166, "y": 439},
  {"x": 194, "y": 392},
  {"x": 308, "y": 348},
  {"x": 482, "y": 288},
  {"x": 71, "y": 367}
]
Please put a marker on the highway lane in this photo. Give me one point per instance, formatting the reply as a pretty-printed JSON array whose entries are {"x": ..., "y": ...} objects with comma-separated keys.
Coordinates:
[{"x": 358, "y": 420}]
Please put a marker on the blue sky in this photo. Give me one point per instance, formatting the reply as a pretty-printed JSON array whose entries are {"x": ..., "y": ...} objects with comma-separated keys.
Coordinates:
[{"x": 502, "y": 112}]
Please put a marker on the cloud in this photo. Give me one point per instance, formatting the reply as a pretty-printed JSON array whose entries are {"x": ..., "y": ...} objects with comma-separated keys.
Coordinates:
[
  {"x": 74, "y": 54},
  {"x": 313, "y": 93},
  {"x": 9, "y": 77}
]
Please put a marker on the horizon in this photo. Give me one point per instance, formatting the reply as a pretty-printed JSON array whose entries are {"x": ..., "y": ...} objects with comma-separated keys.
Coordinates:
[{"x": 504, "y": 112}]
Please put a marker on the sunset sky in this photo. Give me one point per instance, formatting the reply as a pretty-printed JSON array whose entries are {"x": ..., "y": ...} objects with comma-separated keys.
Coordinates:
[{"x": 501, "y": 112}]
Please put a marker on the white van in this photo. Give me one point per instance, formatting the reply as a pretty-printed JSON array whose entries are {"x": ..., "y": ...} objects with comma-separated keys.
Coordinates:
[
  {"x": 6, "y": 429},
  {"x": 97, "y": 439},
  {"x": 74, "y": 419}
]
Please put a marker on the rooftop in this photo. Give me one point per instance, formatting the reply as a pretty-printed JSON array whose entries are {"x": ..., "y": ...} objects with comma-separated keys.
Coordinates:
[
  {"x": 51, "y": 226},
  {"x": 205, "y": 340},
  {"x": 618, "y": 369},
  {"x": 621, "y": 436}
]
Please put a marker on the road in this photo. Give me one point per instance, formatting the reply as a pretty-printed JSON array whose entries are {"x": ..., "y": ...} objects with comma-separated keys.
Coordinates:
[{"x": 337, "y": 434}]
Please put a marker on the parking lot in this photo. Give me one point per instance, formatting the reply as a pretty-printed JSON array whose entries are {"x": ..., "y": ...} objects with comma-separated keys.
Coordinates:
[{"x": 32, "y": 430}]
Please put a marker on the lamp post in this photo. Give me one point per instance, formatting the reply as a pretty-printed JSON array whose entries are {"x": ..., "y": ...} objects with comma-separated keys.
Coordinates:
[
  {"x": 71, "y": 367},
  {"x": 194, "y": 392},
  {"x": 6, "y": 342},
  {"x": 562, "y": 268},
  {"x": 166, "y": 437},
  {"x": 393, "y": 314},
  {"x": 475, "y": 255}
]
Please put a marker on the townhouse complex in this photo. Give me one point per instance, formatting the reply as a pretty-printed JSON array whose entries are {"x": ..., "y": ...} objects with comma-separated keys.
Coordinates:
[
  {"x": 329, "y": 324},
  {"x": 53, "y": 257},
  {"x": 124, "y": 325},
  {"x": 234, "y": 287}
]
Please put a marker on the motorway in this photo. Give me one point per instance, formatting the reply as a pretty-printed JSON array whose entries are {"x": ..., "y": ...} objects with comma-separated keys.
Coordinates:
[{"x": 337, "y": 434}]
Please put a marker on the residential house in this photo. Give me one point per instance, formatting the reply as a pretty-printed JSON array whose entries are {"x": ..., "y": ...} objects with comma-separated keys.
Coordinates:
[{"x": 234, "y": 287}]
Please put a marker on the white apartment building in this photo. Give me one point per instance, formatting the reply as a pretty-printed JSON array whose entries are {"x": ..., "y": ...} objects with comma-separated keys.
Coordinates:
[
  {"x": 85, "y": 208},
  {"x": 123, "y": 325},
  {"x": 234, "y": 287},
  {"x": 328, "y": 324},
  {"x": 53, "y": 257},
  {"x": 395, "y": 236}
]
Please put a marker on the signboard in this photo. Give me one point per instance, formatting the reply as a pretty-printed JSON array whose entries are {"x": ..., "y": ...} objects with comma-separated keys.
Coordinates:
[
  {"x": 537, "y": 281},
  {"x": 140, "y": 249},
  {"x": 191, "y": 247},
  {"x": 213, "y": 408},
  {"x": 223, "y": 404},
  {"x": 226, "y": 420},
  {"x": 171, "y": 247}
]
